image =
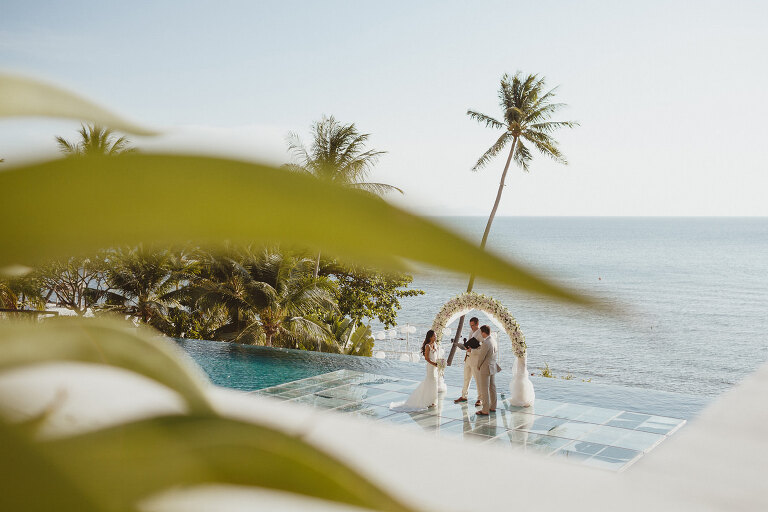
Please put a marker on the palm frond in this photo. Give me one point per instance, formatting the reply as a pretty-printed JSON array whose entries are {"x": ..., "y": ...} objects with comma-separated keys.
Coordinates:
[
  {"x": 546, "y": 145},
  {"x": 337, "y": 154},
  {"x": 376, "y": 188},
  {"x": 522, "y": 156},
  {"x": 67, "y": 147},
  {"x": 306, "y": 328},
  {"x": 296, "y": 148},
  {"x": 492, "y": 151},
  {"x": 487, "y": 120},
  {"x": 551, "y": 126}
]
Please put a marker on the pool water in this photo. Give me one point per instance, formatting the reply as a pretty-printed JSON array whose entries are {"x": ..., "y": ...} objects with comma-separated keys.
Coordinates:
[{"x": 251, "y": 368}]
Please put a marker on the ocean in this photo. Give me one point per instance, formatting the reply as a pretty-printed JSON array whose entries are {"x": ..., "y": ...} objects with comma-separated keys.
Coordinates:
[{"x": 693, "y": 291}]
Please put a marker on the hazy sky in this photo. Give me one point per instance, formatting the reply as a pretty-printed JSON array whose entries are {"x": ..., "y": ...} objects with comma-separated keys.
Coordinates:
[{"x": 670, "y": 95}]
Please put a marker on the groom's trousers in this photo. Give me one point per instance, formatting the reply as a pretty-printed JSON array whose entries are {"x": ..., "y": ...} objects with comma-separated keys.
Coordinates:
[{"x": 486, "y": 387}]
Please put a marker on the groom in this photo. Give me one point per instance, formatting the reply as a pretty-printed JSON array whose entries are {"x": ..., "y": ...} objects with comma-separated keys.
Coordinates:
[{"x": 486, "y": 371}]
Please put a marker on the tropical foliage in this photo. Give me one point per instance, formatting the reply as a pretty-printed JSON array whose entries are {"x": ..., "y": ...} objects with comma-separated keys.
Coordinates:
[
  {"x": 338, "y": 154},
  {"x": 364, "y": 293},
  {"x": 20, "y": 292},
  {"x": 244, "y": 294},
  {"x": 140, "y": 283},
  {"x": 75, "y": 283},
  {"x": 279, "y": 296},
  {"x": 348, "y": 336},
  {"x": 8, "y": 297},
  {"x": 95, "y": 140}
]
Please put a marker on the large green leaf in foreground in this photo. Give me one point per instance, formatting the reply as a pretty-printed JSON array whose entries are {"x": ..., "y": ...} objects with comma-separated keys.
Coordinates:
[
  {"x": 105, "y": 341},
  {"x": 25, "y": 97},
  {"x": 115, "y": 468},
  {"x": 31, "y": 481},
  {"x": 130, "y": 199},
  {"x": 121, "y": 465}
]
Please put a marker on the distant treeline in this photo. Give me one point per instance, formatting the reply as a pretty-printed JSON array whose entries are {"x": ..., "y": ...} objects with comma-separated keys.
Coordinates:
[{"x": 263, "y": 296}]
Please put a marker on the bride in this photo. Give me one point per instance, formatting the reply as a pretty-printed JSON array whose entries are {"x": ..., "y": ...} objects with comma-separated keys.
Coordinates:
[{"x": 424, "y": 396}]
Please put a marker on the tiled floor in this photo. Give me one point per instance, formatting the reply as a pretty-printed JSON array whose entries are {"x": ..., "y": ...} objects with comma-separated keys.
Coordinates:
[{"x": 603, "y": 438}]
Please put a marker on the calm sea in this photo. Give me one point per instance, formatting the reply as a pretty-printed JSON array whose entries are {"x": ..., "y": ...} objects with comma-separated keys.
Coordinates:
[{"x": 695, "y": 289}]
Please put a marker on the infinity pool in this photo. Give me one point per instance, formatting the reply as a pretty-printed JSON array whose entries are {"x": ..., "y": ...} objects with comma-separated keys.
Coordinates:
[{"x": 250, "y": 368}]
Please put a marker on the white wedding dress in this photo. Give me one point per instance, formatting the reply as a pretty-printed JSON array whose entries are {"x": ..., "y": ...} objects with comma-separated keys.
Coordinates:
[{"x": 423, "y": 396}]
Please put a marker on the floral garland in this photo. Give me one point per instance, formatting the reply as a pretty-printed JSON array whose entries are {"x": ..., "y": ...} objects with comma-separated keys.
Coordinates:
[{"x": 472, "y": 300}]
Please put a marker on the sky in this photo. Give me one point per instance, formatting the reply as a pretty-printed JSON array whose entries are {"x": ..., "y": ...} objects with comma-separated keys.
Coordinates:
[{"x": 670, "y": 96}]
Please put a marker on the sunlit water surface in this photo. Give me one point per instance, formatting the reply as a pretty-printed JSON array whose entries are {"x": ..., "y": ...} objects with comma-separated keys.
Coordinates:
[{"x": 694, "y": 290}]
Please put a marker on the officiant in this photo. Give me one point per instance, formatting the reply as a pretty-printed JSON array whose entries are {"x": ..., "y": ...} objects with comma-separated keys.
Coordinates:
[{"x": 474, "y": 343}]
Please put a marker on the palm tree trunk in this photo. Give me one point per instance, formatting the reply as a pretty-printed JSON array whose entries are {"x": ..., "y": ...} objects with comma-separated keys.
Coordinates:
[{"x": 483, "y": 242}]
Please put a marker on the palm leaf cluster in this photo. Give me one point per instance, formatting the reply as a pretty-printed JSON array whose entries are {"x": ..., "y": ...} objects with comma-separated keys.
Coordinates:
[
  {"x": 338, "y": 154},
  {"x": 270, "y": 297},
  {"x": 526, "y": 111},
  {"x": 348, "y": 336},
  {"x": 95, "y": 140},
  {"x": 8, "y": 297},
  {"x": 141, "y": 283}
]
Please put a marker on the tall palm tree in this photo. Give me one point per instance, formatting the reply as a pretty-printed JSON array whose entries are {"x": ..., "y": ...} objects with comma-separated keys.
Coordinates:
[
  {"x": 141, "y": 282},
  {"x": 526, "y": 112},
  {"x": 95, "y": 140},
  {"x": 337, "y": 154}
]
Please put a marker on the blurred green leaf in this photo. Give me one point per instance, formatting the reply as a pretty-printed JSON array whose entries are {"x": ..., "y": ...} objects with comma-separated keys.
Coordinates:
[
  {"x": 31, "y": 482},
  {"x": 135, "y": 198},
  {"x": 121, "y": 465},
  {"x": 103, "y": 341},
  {"x": 20, "y": 96}
]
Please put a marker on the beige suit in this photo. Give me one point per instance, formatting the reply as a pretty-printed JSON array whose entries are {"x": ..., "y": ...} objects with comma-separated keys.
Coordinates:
[{"x": 486, "y": 373}]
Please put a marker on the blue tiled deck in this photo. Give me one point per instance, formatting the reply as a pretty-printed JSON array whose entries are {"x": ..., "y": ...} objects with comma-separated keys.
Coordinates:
[{"x": 610, "y": 439}]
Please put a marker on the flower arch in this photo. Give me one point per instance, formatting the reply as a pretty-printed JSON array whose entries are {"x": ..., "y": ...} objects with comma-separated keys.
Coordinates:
[
  {"x": 521, "y": 387},
  {"x": 497, "y": 313}
]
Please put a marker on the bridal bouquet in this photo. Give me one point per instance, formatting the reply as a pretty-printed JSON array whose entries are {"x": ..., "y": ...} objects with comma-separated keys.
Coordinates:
[{"x": 441, "y": 364}]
